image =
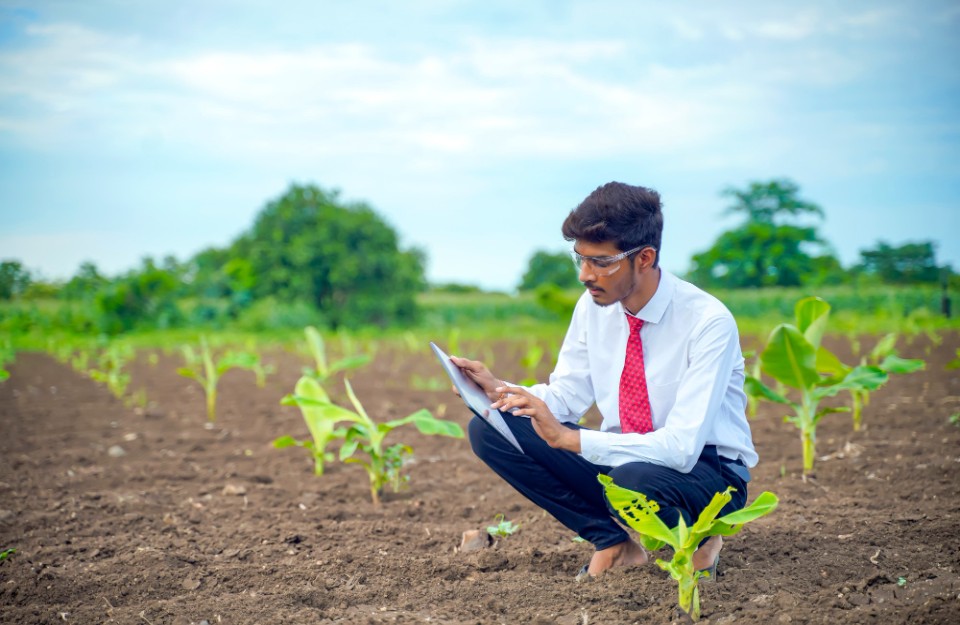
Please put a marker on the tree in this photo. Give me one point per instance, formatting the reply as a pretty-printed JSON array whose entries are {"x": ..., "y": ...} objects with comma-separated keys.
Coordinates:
[
  {"x": 14, "y": 279},
  {"x": 908, "y": 263},
  {"x": 84, "y": 283},
  {"x": 550, "y": 268},
  {"x": 343, "y": 258},
  {"x": 767, "y": 249}
]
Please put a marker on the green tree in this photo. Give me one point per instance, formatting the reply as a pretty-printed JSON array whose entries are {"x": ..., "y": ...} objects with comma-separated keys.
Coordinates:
[
  {"x": 774, "y": 246},
  {"x": 85, "y": 283},
  {"x": 549, "y": 268},
  {"x": 14, "y": 279},
  {"x": 143, "y": 297},
  {"x": 343, "y": 258},
  {"x": 905, "y": 264}
]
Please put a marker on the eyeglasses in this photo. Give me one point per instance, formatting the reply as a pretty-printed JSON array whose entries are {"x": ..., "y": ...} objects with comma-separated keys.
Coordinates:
[{"x": 603, "y": 265}]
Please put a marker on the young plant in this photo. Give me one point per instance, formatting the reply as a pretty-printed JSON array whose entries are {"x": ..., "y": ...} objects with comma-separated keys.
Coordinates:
[
  {"x": 530, "y": 361},
  {"x": 7, "y": 354},
  {"x": 955, "y": 363},
  {"x": 502, "y": 527},
  {"x": 383, "y": 464},
  {"x": 883, "y": 356},
  {"x": 320, "y": 421},
  {"x": 208, "y": 372},
  {"x": 640, "y": 513},
  {"x": 110, "y": 367},
  {"x": 318, "y": 349},
  {"x": 754, "y": 372},
  {"x": 6, "y": 553},
  {"x": 793, "y": 356},
  {"x": 251, "y": 360}
]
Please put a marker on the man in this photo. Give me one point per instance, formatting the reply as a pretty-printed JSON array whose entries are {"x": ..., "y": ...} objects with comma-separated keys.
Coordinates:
[{"x": 662, "y": 361}]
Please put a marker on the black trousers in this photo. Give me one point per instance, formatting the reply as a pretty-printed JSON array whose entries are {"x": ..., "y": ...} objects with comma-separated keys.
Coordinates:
[{"x": 565, "y": 484}]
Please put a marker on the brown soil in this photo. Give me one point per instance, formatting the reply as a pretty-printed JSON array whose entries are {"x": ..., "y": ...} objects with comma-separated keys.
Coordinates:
[{"x": 155, "y": 536}]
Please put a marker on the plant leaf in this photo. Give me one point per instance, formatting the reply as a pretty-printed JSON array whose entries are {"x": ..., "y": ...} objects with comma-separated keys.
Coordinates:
[
  {"x": 285, "y": 441},
  {"x": 895, "y": 364},
  {"x": 755, "y": 388},
  {"x": 637, "y": 511},
  {"x": 352, "y": 362},
  {"x": 828, "y": 363},
  {"x": 763, "y": 505},
  {"x": 790, "y": 358},
  {"x": 812, "y": 314}
]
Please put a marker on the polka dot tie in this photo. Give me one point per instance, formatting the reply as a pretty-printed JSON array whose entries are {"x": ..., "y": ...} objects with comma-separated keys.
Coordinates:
[{"x": 634, "y": 402}]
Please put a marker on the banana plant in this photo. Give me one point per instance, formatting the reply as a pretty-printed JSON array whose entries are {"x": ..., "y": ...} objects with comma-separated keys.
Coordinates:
[
  {"x": 383, "y": 464},
  {"x": 794, "y": 357},
  {"x": 640, "y": 514},
  {"x": 883, "y": 356},
  {"x": 318, "y": 349},
  {"x": 207, "y": 371},
  {"x": 530, "y": 361}
]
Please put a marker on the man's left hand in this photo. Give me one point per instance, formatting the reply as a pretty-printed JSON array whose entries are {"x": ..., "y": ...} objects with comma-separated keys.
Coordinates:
[{"x": 521, "y": 402}]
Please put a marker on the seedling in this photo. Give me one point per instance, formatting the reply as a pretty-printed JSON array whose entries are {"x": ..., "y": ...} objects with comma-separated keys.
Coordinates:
[
  {"x": 6, "y": 553},
  {"x": 530, "y": 361},
  {"x": 640, "y": 513},
  {"x": 318, "y": 350},
  {"x": 502, "y": 527},
  {"x": 383, "y": 464},
  {"x": 955, "y": 363},
  {"x": 884, "y": 356},
  {"x": 794, "y": 357},
  {"x": 320, "y": 422},
  {"x": 204, "y": 370},
  {"x": 253, "y": 362},
  {"x": 7, "y": 354},
  {"x": 110, "y": 369},
  {"x": 954, "y": 419}
]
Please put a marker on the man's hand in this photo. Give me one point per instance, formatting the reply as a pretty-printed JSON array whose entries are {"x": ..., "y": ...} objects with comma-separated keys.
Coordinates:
[
  {"x": 478, "y": 372},
  {"x": 520, "y": 401}
]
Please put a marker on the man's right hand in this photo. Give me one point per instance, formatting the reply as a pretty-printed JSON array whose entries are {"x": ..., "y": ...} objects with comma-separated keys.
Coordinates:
[{"x": 478, "y": 372}]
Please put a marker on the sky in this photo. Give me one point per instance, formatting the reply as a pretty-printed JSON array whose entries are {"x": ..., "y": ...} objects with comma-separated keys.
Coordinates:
[{"x": 149, "y": 128}]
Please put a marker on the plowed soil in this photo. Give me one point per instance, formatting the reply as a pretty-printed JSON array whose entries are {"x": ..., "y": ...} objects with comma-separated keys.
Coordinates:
[{"x": 152, "y": 515}]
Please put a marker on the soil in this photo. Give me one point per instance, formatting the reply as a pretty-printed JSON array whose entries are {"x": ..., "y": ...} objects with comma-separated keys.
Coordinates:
[{"x": 197, "y": 522}]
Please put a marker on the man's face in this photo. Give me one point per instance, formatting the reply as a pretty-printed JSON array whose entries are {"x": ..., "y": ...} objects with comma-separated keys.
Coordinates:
[{"x": 604, "y": 286}]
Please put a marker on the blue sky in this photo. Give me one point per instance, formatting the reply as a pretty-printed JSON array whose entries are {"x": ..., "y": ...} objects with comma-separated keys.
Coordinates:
[{"x": 152, "y": 128}]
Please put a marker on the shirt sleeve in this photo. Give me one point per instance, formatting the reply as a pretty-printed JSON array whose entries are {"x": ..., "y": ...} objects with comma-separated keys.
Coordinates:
[
  {"x": 569, "y": 393},
  {"x": 714, "y": 352}
]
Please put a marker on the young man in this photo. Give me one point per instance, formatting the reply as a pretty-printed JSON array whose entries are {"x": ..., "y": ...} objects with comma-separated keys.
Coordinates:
[{"x": 662, "y": 361}]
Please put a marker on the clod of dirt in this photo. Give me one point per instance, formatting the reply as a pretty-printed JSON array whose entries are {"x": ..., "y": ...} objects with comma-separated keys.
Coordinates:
[
  {"x": 475, "y": 540},
  {"x": 116, "y": 451},
  {"x": 190, "y": 584},
  {"x": 234, "y": 489}
]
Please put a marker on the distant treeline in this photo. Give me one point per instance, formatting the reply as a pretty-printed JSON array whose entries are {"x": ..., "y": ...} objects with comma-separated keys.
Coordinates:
[{"x": 311, "y": 259}]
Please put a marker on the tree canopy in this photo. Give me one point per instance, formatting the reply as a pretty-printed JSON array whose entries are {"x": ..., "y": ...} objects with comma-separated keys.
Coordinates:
[
  {"x": 549, "y": 268},
  {"x": 773, "y": 246},
  {"x": 907, "y": 263}
]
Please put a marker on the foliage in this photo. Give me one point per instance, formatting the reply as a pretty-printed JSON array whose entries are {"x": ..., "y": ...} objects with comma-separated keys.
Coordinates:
[
  {"x": 549, "y": 268},
  {"x": 144, "y": 297},
  {"x": 640, "y": 513},
  {"x": 14, "y": 279},
  {"x": 7, "y": 355},
  {"x": 765, "y": 250},
  {"x": 6, "y": 553},
  {"x": 502, "y": 527},
  {"x": 955, "y": 363},
  {"x": 383, "y": 464},
  {"x": 207, "y": 371},
  {"x": 318, "y": 349},
  {"x": 884, "y": 357},
  {"x": 110, "y": 368},
  {"x": 794, "y": 357},
  {"x": 530, "y": 361},
  {"x": 341, "y": 257},
  {"x": 559, "y": 302},
  {"x": 905, "y": 264}
]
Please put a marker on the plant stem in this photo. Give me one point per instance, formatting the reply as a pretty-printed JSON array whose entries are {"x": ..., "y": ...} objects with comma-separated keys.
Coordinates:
[
  {"x": 857, "y": 409},
  {"x": 808, "y": 437}
]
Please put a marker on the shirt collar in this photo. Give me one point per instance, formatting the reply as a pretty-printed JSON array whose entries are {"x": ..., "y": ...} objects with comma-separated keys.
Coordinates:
[{"x": 654, "y": 310}]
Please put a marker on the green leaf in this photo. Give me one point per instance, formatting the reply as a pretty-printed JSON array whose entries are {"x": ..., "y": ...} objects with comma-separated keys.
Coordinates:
[
  {"x": 637, "y": 511},
  {"x": 702, "y": 525},
  {"x": 828, "y": 363},
  {"x": 763, "y": 505},
  {"x": 812, "y": 314},
  {"x": 4, "y": 375},
  {"x": 883, "y": 348},
  {"x": 895, "y": 364},
  {"x": 286, "y": 441},
  {"x": 755, "y": 388},
  {"x": 353, "y": 362},
  {"x": 865, "y": 377},
  {"x": 356, "y": 402},
  {"x": 426, "y": 423},
  {"x": 348, "y": 447},
  {"x": 317, "y": 349},
  {"x": 790, "y": 358}
]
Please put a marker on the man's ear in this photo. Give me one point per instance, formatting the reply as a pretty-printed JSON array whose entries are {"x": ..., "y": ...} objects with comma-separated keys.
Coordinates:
[{"x": 647, "y": 257}]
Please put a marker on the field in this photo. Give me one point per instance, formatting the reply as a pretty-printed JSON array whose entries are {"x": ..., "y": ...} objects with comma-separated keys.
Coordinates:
[{"x": 194, "y": 522}]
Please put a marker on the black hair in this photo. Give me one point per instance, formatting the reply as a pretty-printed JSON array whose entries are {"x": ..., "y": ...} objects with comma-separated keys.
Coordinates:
[{"x": 627, "y": 215}]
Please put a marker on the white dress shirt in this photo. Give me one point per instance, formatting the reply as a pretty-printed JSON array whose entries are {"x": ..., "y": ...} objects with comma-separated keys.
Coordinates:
[{"x": 694, "y": 371}]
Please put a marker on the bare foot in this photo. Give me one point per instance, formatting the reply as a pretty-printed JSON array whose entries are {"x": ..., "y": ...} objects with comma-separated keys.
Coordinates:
[
  {"x": 627, "y": 553},
  {"x": 704, "y": 557}
]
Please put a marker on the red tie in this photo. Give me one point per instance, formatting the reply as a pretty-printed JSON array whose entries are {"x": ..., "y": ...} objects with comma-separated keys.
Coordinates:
[{"x": 634, "y": 402}]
